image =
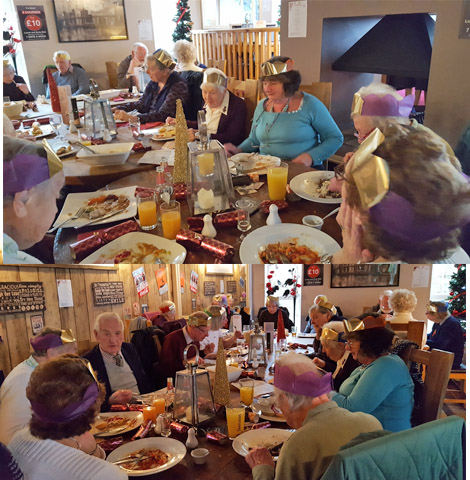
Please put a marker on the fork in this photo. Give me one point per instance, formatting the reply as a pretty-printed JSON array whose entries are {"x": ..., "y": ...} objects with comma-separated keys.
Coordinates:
[
  {"x": 77, "y": 214},
  {"x": 131, "y": 459}
]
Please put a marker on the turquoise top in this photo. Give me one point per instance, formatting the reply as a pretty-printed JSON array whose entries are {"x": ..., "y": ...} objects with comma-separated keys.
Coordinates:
[
  {"x": 310, "y": 129},
  {"x": 384, "y": 389}
]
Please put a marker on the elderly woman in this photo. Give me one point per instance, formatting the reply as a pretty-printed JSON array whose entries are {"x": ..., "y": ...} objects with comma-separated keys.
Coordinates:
[
  {"x": 159, "y": 99},
  {"x": 32, "y": 179},
  {"x": 332, "y": 312},
  {"x": 14, "y": 86},
  {"x": 404, "y": 200},
  {"x": 185, "y": 54},
  {"x": 290, "y": 124},
  {"x": 304, "y": 398},
  {"x": 225, "y": 112},
  {"x": 68, "y": 74},
  {"x": 65, "y": 400},
  {"x": 271, "y": 314},
  {"x": 334, "y": 347},
  {"x": 382, "y": 386},
  {"x": 446, "y": 333}
]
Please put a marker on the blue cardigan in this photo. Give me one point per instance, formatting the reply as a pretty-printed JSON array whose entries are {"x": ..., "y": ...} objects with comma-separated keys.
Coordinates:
[
  {"x": 384, "y": 389},
  {"x": 310, "y": 129}
]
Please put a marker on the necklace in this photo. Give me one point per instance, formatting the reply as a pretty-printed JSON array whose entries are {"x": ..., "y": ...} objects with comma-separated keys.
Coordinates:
[{"x": 269, "y": 127}]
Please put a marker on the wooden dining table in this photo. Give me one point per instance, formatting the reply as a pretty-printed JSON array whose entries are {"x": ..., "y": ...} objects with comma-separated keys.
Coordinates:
[
  {"x": 223, "y": 463},
  {"x": 296, "y": 210}
]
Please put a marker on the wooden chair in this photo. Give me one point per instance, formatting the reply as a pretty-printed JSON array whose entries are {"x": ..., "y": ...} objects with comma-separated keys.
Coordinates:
[
  {"x": 321, "y": 90},
  {"x": 438, "y": 365},
  {"x": 414, "y": 330},
  {"x": 111, "y": 68},
  {"x": 248, "y": 90},
  {"x": 459, "y": 376},
  {"x": 221, "y": 65},
  {"x": 84, "y": 346}
]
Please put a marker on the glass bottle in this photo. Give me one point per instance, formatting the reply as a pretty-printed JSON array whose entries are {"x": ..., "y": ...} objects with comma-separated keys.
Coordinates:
[{"x": 170, "y": 394}]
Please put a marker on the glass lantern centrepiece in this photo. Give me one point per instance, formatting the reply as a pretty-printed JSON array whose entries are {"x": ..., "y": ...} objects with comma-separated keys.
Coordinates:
[
  {"x": 194, "y": 403},
  {"x": 99, "y": 117},
  {"x": 257, "y": 347},
  {"x": 209, "y": 180}
]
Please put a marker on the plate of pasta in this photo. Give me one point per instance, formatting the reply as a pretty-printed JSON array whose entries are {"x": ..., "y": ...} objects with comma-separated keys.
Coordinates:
[
  {"x": 287, "y": 243},
  {"x": 137, "y": 247},
  {"x": 108, "y": 424},
  {"x": 148, "y": 455}
]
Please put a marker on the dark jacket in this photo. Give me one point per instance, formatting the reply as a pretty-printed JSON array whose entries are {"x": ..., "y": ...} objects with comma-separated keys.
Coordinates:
[
  {"x": 132, "y": 358},
  {"x": 231, "y": 127},
  {"x": 265, "y": 316},
  {"x": 448, "y": 336},
  {"x": 15, "y": 94},
  {"x": 195, "y": 101},
  {"x": 309, "y": 328}
]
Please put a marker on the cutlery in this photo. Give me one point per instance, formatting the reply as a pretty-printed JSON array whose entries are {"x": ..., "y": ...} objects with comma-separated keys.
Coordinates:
[
  {"x": 336, "y": 210},
  {"x": 131, "y": 459},
  {"x": 100, "y": 218},
  {"x": 77, "y": 214},
  {"x": 83, "y": 146}
]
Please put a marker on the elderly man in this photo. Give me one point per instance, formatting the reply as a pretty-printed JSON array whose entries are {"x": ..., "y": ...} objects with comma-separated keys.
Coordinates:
[
  {"x": 67, "y": 74},
  {"x": 446, "y": 333},
  {"x": 384, "y": 306},
  {"x": 116, "y": 362},
  {"x": 172, "y": 354},
  {"x": 32, "y": 180},
  {"x": 322, "y": 427},
  {"x": 127, "y": 77},
  {"x": 15, "y": 410}
]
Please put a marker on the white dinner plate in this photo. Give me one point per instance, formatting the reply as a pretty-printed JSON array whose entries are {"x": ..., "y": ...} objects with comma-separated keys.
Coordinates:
[
  {"x": 74, "y": 201},
  {"x": 264, "y": 437},
  {"x": 301, "y": 183},
  {"x": 135, "y": 420},
  {"x": 253, "y": 163},
  {"x": 157, "y": 130},
  {"x": 177, "y": 253},
  {"x": 46, "y": 131},
  {"x": 173, "y": 448},
  {"x": 312, "y": 238}
]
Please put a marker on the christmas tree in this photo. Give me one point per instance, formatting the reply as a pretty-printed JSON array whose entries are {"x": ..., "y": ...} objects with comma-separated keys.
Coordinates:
[
  {"x": 183, "y": 21},
  {"x": 457, "y": 300}
]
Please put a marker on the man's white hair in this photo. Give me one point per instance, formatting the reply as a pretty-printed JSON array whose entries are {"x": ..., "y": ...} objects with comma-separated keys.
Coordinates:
[
  {"x": 102, "y": 316},
  {"x": 138, "y": 45},
  {"x": 385, "y": 293}
]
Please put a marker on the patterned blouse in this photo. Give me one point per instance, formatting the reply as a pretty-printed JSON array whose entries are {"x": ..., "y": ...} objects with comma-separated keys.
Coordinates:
[{"x": 157, "y": 104}]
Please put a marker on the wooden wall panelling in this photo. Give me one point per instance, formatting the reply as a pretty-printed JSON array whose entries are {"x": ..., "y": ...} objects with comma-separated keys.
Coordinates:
[
  {"x": 67, "y": 314},
  {"x": 47, "y": 277},
  {"x": 83, "y": 328},
  {"x": 29, "y": 275},
  {"x": 90, "y": 277}
]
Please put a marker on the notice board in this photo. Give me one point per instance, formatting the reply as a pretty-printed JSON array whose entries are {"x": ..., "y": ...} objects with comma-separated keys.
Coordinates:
[
  {"x": 231, "y": 286},
  {"x": 107, "y": 293},
  {"x": 22, "y": 297},
  {"x": 209, "y": 288}
]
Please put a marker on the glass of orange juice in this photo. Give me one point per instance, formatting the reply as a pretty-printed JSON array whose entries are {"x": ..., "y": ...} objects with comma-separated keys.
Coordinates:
[
  {"x": 147, "y": 208},
  {"x": 247, "y": 386},
  {"x": 277, "y": 181},
  {"x": 150, "y": 413},
  {"x": 159, "y": 404},
  {"x": 171, "y": 219},
  {"x": 235, "y": 420}
]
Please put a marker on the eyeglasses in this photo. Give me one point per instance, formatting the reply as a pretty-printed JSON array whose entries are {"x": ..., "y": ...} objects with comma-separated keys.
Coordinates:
[
  {"x": 340, "y": 172},
  {"x": 352, "y": 343},
  {"x": 362, "y": 137}
]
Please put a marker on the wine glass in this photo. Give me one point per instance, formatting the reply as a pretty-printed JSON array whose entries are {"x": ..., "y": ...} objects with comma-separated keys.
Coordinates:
[
  {"x": 243, "y": 216},
  {"x": 55, "y": 121}
]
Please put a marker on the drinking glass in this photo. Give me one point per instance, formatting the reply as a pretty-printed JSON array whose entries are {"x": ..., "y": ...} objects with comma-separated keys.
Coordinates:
[
  {"x": 247, "y": 387},
  {"x": 134, "y": 126},
  {"x": 150, "y": 413},
  {"x": 166, "y": 419},
  {"x": 171, "y": 219},
  {"x": 6, "y": 99},
  {"x": 235, "y": 420},
  {"x": 159, "y": 404},
  {"x": 243, "y": 216},
  {"x": 294, "y": 331},
  {"x": 147, "y": 208},
  {"x": 55, "y": 122},
  {"x": 277, "y": 181}
]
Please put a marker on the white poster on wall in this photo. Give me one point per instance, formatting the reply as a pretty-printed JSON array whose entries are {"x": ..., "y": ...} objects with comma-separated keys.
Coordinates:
[
  {"x": 144, "y": 27},
  {"x": 64, "y": 292},
  {"x": 421, "y": 276},
  {"x": 297, "y": 26}
]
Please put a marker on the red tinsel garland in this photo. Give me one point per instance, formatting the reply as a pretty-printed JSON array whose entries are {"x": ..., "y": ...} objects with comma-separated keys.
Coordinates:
[{"x": 181, "y": 16}]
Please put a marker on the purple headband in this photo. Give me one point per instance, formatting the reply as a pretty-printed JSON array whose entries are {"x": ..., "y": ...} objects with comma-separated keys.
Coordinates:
[
  {"x": 309, "y": 384},
  {"x": 70, "y": 412},
  {"x": 387, "y": 106},
  {"x": 49, "y": 340},
  {"x": 395, "y": 215},
  {"x": 24, "y": 172}
]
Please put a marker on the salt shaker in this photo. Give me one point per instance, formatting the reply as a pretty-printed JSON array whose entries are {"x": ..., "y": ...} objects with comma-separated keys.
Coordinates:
[
  {"x": 107, "y": 135},
  {"x": 273, "y": 217},
  {"x": 208, "y": 229},
  {"x": 72, "y": 127},
  {"x": 158, "y": 425},
  {"x": 192, "y": 442}
]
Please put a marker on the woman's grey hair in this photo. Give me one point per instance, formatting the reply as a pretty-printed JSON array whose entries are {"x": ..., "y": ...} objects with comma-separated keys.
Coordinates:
[
  {"x": 139, "y": 45},
  {"x": 403, "y": 300},
  {"x": 319, "y": 309},
  {"x": 102, "y": 316},
  {"x": 184, "y": 52},
  {"x": 8, "y": 67}
]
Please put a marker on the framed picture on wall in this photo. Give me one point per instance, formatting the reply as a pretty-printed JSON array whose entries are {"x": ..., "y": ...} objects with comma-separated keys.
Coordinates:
[
  {"x": 382, "y": 275},
  {"x": 90, "y": 21},
  {"x": 219, "y": 269}
]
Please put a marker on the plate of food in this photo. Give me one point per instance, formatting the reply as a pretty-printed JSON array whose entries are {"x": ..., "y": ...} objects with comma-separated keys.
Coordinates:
[
  {"x": 138, "y": 247},
  {"x": 296, "y": 243},
  {"x": 244, "y": 163},
  {"x": 94, "y": 205},
  {"x": 39, "y": 131},
  {"x": 270, "y": 438},
  {"x": 314, "y": 186},
  {"x": 267, "y": 409},
  {"x": 108, "y": 424},
  {"x": 167, "y": 132},
  {"x": 63, "y": 151},
  {"x": 148, "y": 455}
]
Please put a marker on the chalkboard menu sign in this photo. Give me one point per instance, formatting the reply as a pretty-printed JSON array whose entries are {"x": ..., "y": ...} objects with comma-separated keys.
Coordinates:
[
  {"x": 18, "y": 297},
  {"x": 107, "y": 293},
  {"x": 209, "y": 288},
  {"x": 231, "y": 286}
]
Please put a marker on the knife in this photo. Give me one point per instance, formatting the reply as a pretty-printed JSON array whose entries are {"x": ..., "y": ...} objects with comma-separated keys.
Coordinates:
[{"x": 108, "y": 215}]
